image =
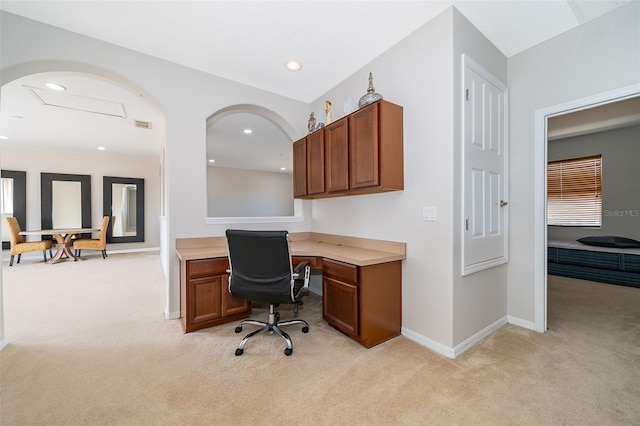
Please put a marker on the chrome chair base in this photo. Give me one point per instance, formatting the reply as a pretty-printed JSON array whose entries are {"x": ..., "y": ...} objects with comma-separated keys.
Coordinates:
[{"x": 273, "y": 325}]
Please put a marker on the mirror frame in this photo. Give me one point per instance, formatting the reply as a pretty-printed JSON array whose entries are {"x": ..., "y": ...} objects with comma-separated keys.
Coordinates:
[
  {"x": 46, "y": 199},
  {"x": 107, "y": 208},
  {"x": 19, "y": 199}
]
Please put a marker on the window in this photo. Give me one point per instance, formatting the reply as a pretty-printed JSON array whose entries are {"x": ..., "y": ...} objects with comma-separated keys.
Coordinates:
[{"x": 574, "y": 192}]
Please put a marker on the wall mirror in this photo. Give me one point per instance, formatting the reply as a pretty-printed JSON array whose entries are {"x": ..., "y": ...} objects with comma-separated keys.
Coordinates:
[
  {"x": 13, "y": 201},
  {"x": 249, "y": 164},
  {"x": 65, "y": 202},
  {"x": 123, "y": 201}
]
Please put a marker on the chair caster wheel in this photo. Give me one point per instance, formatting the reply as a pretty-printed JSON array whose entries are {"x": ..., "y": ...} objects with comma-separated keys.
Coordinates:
[
  {"x": 238, "y": 330},
  {"x": 287, "y": 351},
  {"x": 305, "y": 329},
  {"x": 239, "y": 351}
]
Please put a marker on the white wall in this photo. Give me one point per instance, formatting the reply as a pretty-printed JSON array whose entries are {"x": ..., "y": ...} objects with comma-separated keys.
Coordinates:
[
  {"x": 416, "y": 74},
  {"x": 242, "y": 193},
  {"x": 186, "y": 96},
  {"x": 420, "y": 73},
  {"x": 597, "y": 57},
  {"x": 620, "y": 150},
  {"x": 36, "y": 161},
  {"x": 479, "y": 299}
]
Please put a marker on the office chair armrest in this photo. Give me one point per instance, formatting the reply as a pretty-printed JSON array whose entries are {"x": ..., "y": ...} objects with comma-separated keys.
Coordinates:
[
  {"x": 297, "y": 272},
  {"x": 300, "y": 267}
]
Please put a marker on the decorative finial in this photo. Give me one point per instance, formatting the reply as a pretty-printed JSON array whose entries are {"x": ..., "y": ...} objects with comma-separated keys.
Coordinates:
[{"x": 371, "y": 95}]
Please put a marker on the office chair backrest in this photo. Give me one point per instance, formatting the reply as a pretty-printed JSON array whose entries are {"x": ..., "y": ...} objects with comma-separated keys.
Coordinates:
[{"x": 260, "y": 265}]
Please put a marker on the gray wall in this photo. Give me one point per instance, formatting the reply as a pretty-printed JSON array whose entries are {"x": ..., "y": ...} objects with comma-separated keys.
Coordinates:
[
  {"x": 620, "y": 151},
  {"x": 252, "y": 194},
  {"x": 96, "y": 165},
  {"x": 600, "y": 56}
]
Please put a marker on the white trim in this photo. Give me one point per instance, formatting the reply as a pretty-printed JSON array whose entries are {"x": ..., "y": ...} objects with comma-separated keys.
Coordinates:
[
  {"x": 481, "y": 266},
  {"x": 459, "y": 349},
  {"x": 3, "y": 344},
  {"x": 428, "y": 343},
  {"x": 271, "y": 219},
  {"x": 171, "y": 315},
  {"x": 529, "y": 325},
  {"x": 540, "y": 188},
  {"x": 467, "y": 62},
  {"x": 478, "y": 337}
]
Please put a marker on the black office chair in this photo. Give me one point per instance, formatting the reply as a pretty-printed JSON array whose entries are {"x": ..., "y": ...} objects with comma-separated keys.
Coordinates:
[{"x": 260, "y": 270}]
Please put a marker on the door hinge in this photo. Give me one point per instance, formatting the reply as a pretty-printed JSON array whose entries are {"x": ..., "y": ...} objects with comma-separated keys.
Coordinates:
[
  {"x": 466, "y": 94},
  {"x": 466, "y": 224}
]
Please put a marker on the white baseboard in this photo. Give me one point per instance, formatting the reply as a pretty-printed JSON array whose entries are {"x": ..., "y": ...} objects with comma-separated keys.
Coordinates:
[
  {"x": 530, "y": 325},
  {"x": 479, "y": 336},
  {"x": 38, "y": 254},
  {"x": 428, "y": 343},
  {"x": 456, "y": 351},
  {"x": 172, "y": 315},
  {"x": 3, "y": 344}
]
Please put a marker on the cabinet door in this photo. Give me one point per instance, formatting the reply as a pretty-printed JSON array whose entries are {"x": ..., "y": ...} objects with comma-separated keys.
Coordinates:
[
  {"x": 204, "y": 300},
  {"x": 336, "y": 137},
  {"x": 340, "y": 305},
  {"x": 299, "y": 168},
  {"x": 364, "y": 166},
  {"x": 230, "y": 304},
  {"x": 315, "y": 163}
]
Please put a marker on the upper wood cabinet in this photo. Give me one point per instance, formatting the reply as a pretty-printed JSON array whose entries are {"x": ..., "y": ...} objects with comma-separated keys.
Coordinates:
[
  {"x": 361, "y": 153},
  {"x": 300, "y": 168},
  {"x": 315, "y": 162},
  {"x": 336, "y": 141}
]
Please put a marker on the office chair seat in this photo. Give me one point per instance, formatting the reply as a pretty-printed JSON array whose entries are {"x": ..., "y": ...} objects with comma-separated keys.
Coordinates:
[{"x": 260, "y": 270}]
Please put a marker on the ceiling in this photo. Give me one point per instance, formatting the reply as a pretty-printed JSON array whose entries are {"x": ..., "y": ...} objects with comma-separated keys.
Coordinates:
[{"x": 244, "y": 41}]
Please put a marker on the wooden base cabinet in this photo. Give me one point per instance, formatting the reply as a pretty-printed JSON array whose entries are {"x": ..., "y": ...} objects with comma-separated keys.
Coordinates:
[
  {"x": 205, "y": 300},
  {"x": 364, "y": 302}
]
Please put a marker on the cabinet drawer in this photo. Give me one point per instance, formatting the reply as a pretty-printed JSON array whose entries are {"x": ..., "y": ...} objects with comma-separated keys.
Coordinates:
[
  {"x": 204, "y": 267},
  {"x": 343, "y": 271},
  {"x": 299, "y": 259}
]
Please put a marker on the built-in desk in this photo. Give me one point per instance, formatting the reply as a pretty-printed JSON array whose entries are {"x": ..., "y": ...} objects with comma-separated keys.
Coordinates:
[{"x": 362, "y": 283}]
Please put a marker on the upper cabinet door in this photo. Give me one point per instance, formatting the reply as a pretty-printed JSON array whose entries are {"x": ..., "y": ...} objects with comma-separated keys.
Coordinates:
[
  {"x": 364, "y": 147},
  {"x": 299, "y": 168},
  {"x": 337, "y": 150},
  {"x": 315, "y": 163}
]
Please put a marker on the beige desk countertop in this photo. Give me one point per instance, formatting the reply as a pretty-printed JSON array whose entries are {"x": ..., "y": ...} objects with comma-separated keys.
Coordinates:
[{"x": 357, "y": 251}]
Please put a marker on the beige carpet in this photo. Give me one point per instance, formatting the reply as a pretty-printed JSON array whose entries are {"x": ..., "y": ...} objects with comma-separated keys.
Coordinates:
[{"x": 89, "y": 345}]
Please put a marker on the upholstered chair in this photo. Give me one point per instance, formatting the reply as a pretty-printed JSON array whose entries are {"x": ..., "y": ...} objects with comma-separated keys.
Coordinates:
[
  {"x": 92, "y": 243},
  {"x": 19, "y": 246}
]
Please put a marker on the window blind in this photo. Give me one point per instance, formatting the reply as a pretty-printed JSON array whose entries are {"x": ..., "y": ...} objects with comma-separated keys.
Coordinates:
[{"x": 574, "y": 192}]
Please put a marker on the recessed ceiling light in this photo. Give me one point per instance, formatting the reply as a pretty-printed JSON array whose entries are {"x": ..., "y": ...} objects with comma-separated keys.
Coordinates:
[
  {"x": 248, "y": 131},
  {"x": 5, "y": 138},
  {"x": 212, "y": 161},
  {"x": 283, "y": 168},
  {"x": 293, "y": 65},
  {"x": 102, "y": 148},
  {"x": 55, "y": 86}
]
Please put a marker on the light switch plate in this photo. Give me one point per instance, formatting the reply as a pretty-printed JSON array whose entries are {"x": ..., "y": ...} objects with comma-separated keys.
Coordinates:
[{"x": 429, "y": 213}]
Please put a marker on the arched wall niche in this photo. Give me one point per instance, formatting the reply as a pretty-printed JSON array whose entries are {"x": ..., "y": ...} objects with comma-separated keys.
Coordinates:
[{"x": 251, "y": 202}]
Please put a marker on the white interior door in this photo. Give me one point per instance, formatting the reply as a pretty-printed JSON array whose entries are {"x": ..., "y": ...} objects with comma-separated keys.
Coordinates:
[{"x": 485, "y": 179}]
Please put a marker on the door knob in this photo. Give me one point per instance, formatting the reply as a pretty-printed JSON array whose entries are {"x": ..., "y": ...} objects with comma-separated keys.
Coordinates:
[{"x": 503, "y": 203}]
